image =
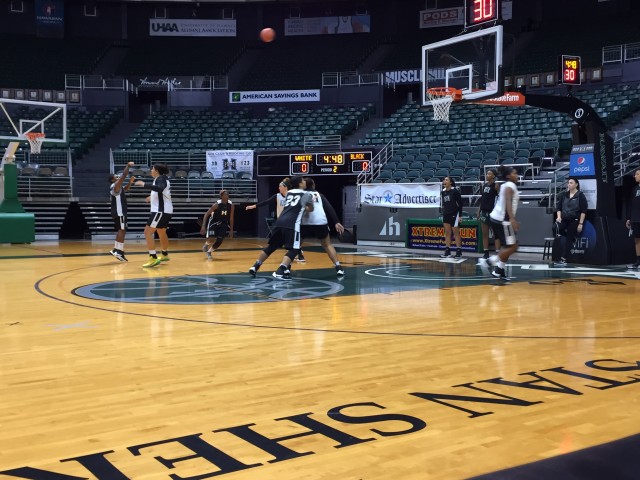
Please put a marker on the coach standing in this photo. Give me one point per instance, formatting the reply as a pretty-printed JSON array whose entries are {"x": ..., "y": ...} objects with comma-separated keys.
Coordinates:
[{"x": 633, "y": 219}]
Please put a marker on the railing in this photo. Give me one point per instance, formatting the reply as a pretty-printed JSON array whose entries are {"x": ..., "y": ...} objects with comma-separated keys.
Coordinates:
[
  {"x": 377, "y": 163},
  {"x": 47, "y": 187},
  {"x": 626, "y": 153},
  {"x": 621, "y": 53},
  {"x": 98, "y": 82},
  {"x": 323, "y": 143},
  {"x": 341, "y": 79}
]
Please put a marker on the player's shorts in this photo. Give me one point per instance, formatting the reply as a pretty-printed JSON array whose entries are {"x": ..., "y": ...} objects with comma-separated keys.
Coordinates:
[
  {"x": 159, "y": 220},
  {"x": 484, "y": 217},
  {"x": 284, "y": 237},
  {"x": 635, "y": 227},
  {"x": 119, "y": 222},
  {"x": 315, "y": 231},
  {"x": 217, "y": 230},
  {"x": 504, "y": 232},
  {"x": 452, "y": 220}
]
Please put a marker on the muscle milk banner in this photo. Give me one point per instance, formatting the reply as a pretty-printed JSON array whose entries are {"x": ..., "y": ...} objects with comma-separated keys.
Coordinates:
[
  {"x": 172, "y": 27},
  {"x": 236, "y": 161},
  {"x": 401, "y": 195},
  {"x": 327, "y": 25},
  {"x": 275, "y": 96}
]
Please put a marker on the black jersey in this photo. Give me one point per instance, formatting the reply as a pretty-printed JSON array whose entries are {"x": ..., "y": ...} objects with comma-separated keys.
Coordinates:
[
  {"x": 489, "y": 195},
  {"x": 633, "y": 208},
  {"x": 294, "y": 204},
  {"x": 572, "y": 207},
  {"x": 451, "y": 202},
  {"x": 118, "y": 202},
  {"x": 221, "y": 214}
]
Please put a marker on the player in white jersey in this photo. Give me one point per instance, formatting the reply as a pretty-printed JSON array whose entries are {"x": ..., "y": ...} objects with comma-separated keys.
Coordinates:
[
  {"x": 315, "y": 223},
  {"x": 118, "y": 196},
  {"x": 161, "y": 211},
  {"x": 503, "y": 221}
]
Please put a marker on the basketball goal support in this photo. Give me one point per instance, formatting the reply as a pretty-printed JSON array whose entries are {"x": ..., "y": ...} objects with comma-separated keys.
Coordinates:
[{"x": 16, "y": 225}]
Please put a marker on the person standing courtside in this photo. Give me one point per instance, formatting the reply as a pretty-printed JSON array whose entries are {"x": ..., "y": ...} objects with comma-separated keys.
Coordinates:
[
  {"x": 571, "y": 211},
  {"x": 217, "y": 222},
  {"x": 315, "y": 223},
  {"x": 503, "y": 221},
  {"x": 287, "y": 229},
  {"x": 161, "y": 211},
  {"x": 119, "y": 209},
  {"x": 283, "y": 187},
  {"x": 487, "y": 202},
  {"x": 451, "y": 216},
  {"x": 633, "y": 220}
]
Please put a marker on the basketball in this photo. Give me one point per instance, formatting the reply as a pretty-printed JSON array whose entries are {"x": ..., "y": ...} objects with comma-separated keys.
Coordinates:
[{"x": 267, "y": 35}]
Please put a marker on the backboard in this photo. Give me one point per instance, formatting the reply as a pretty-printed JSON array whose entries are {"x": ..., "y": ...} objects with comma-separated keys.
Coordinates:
[
  {"x": 470, "y": 62},
  {"x": 18, "y": 117}
]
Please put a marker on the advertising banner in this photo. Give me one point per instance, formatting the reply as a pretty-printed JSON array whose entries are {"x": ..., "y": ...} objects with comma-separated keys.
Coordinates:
[
  {"x": 172, "y": 27},
  {"x": 49, "y": 18},
  {"x": 441, "y": 17},
  {"x": 402, "y": 77},
  {"x": 430, "y": 234},
  {"x": 236, "y": 161},
  {"x": 275, "y": 96},
  {"x": 590, "y": 189},
  {"x": 401, "y": 195},
  {"x": 327, "y": 25},
  {"x": 581, "y": 162}
]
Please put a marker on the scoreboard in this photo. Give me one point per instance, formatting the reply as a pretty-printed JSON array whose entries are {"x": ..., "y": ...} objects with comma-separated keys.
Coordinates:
[
  {"x": 336, "y": 163},
  {"x": 570, "y": 70}
]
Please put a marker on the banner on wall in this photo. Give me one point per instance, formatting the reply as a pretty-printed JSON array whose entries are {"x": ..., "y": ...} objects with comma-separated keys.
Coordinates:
[
  {"x": 275, "y": 96},
  {"x": 401, "y": 195},
  {"x": 172, "y": 27},
  {"x": 49, "y": 18},
  {"x": 441, "y": 17},
  {"x": 327, "y": 25},
  {"x": 235, "y": 161}
]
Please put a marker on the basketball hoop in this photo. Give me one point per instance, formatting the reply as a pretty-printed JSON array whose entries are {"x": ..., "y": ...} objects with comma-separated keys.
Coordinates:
[
  {"x": 441, "y": 99},
  {"x": 35, "y": 140}
]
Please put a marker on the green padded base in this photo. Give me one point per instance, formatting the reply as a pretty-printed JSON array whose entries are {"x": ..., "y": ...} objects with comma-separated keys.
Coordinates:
[{"x": 17, "y": 228}]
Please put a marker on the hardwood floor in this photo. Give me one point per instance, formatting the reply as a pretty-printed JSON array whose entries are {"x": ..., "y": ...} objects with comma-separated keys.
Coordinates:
[{"x": 408, "y": 368}]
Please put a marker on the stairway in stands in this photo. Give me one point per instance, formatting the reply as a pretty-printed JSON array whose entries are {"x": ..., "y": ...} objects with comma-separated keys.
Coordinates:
[{"x": 49, "y": 217}]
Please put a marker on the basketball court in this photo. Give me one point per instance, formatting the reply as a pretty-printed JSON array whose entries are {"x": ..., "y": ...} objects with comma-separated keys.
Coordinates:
[{"x": 410, "y": 367}]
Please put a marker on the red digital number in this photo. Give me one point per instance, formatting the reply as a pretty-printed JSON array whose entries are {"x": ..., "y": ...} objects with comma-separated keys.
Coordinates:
[
  {"x": 570, "y": 75},
  {"x": 365, "y": 166},
  {"x": 483, "y": 10}
]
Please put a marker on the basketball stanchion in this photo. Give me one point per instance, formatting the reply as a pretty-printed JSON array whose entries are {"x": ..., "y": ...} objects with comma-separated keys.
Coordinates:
[
  {"x": 35, "y": 140},
  {"x": 441, "y": 99}
]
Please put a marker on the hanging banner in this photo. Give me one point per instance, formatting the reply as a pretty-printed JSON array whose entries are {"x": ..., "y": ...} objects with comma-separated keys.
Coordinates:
[
  {"x": 235, "y": 161},
  {"x": 171, "y": 27},
  {"x": 401, "y": 195},
  {"x": 49, "y": 18},
  {"x": 275, "y": 96},
  {"x": 327, "y": 25},
  {"x": 441, "y": 17}
]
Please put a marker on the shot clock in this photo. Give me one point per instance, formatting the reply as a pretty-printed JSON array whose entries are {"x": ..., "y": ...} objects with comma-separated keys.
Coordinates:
[
  {"x": 570, "y": 70},
  {"x": 481, "y": 11}
]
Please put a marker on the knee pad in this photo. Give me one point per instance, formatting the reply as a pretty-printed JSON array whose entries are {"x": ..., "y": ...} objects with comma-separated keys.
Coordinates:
[
  {"x": 293, "y": 253},
  {"x": 218, "y": 242}
]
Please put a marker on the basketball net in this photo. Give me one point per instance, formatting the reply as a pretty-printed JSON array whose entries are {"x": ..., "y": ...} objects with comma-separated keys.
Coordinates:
[
  {"x": 35, "y": 141},
  {"x": 441, "y": 99}
]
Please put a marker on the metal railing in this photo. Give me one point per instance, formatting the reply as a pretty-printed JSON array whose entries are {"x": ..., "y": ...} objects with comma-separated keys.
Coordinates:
[
  {"x": 322, "y": 143},
  {"x": 44, "y": 187},
  {"x": 342, "y": 79},
  {"x": 621, "y": 53},
  {"x": 626, "y": 153}
]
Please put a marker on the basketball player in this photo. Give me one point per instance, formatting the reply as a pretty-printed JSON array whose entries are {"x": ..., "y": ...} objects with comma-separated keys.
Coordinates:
[
  {"x": 119, "y": 209},
  {"x": 316, "y": 225},
  {"x": 487, "y": 202},
  {"x": 571, "y": 211},
  {"x": 633, "y": 220},
  {"x": 283, "y": 187},
  {"x": 161, "y": 211},
  {"x": 451, "y": 216},
  {"x": 503, "y": 221},
  {"x": 220, "y": 221},
  {"x": 287, "y": 229}
]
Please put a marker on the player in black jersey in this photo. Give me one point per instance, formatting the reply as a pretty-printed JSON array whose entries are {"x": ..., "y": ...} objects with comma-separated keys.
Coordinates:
[
  {"x": 119, "y": 209},
  {"x": 287, "y": 229},
  {"x": 633, "y": 220},
  {"x": 220, "y": 221},
  {"x": 451, "y": 216},
  {"x": 487, "y": 202}
]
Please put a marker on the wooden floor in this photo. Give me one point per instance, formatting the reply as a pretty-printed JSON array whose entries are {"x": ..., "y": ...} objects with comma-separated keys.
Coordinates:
[{"x": 408, "y": 368}]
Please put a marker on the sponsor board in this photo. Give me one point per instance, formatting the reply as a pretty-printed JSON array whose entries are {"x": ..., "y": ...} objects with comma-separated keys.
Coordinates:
[
  {"x": 441, "y": 17},
  {"x": 221, "y": 161},
  {"x": 172, "y": 27},
  {"x": 327, "y": 25},
  {"x": 401, "y": 195},
  {"x": 581, "y": 161},
  {"x": 430, "y": 234},
  {"x": 275, "y": 96}
]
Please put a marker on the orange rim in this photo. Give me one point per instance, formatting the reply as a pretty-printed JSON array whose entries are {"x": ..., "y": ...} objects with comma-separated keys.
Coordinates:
[
  {"x": 439, "y": 92},
  {"x": 34, "y": 135}
]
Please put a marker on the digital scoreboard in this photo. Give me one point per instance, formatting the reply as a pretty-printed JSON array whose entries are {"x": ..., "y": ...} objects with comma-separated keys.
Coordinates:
[
  {"x": 570, "y": 70},
  {"x": 336, "y": 163},
  {"x": 481, "y": 11}
]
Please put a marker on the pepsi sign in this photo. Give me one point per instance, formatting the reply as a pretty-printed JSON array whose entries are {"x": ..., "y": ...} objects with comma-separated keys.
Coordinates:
[{"x": 581, "y": 162}]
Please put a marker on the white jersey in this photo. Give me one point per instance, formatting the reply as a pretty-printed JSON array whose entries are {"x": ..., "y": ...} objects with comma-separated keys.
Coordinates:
[
  {"x": 279, "y": 203},
  {"x": 499, "y": 212},
  {"x": 161, "y": 195},
  {"x": 318, "y": 216}
]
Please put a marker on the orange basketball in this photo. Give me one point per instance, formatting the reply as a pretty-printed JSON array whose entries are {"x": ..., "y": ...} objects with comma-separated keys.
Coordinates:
[{"x": 267, "y": 34}]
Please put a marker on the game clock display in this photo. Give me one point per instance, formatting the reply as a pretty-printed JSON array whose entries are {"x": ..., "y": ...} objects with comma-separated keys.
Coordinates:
[
  {"x": 570, "y": 70},
  {"x": 481, "y": 11},
  {"x": 337, "y": 163}
]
